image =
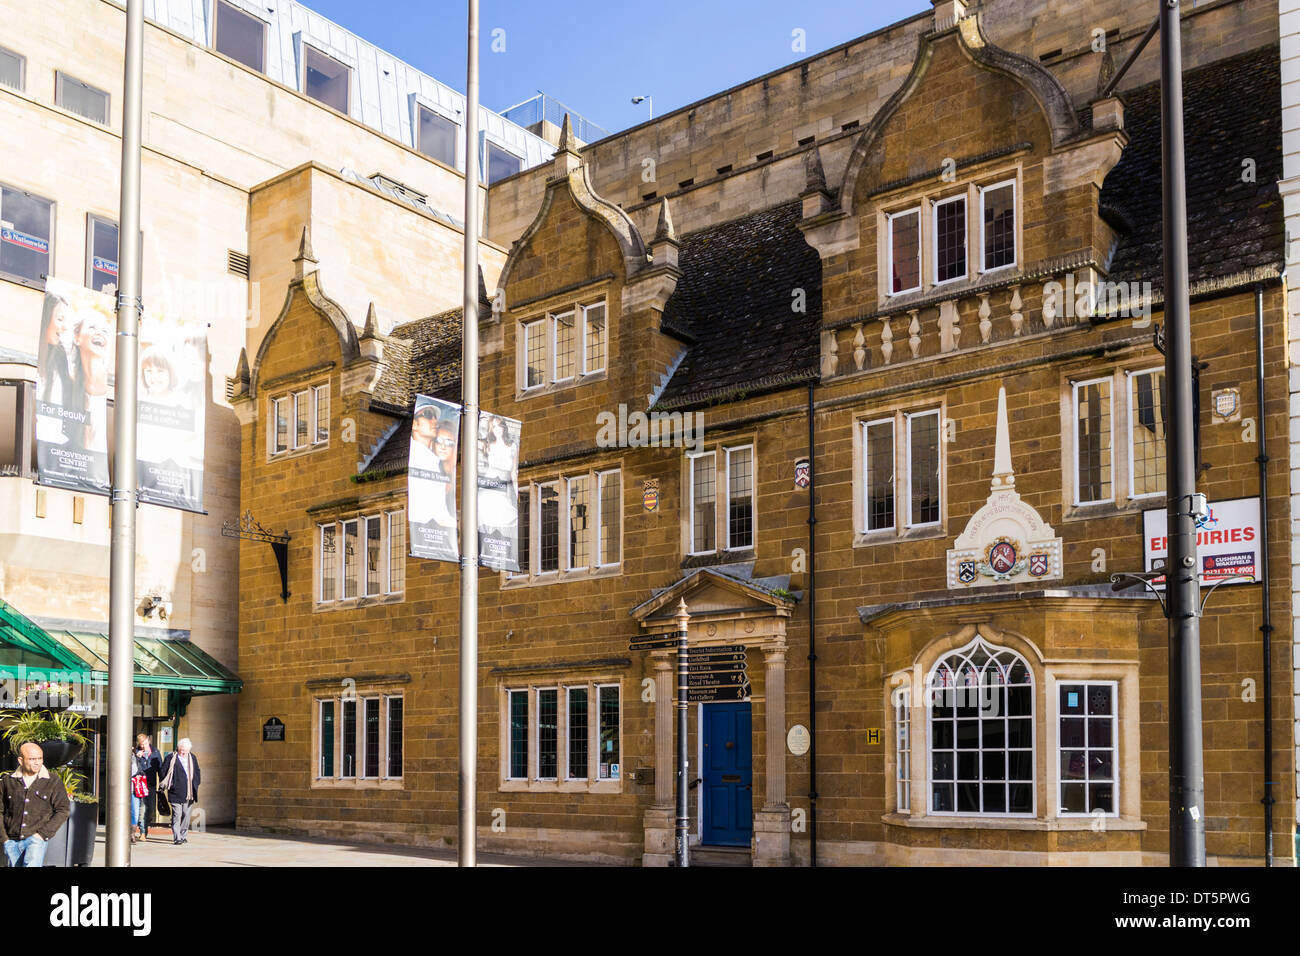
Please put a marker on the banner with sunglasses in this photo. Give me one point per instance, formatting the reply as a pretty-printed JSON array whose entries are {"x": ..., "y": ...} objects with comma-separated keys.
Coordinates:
[
  {"x": 431, "y": 479},
  {"x": 75, "y": 367},
  {"x": 498, "y": 492}
]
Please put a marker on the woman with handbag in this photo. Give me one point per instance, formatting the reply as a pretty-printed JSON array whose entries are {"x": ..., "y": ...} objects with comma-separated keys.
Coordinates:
[{"x": 145, "y": 763}]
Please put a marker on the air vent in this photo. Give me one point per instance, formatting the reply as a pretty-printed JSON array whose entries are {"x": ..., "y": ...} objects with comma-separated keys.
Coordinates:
[
  {"x": 762, "y": 157},
  {"x": 1049, "y": 55},
  {"x": 851, "y": 124},
  {"x": 807, "y": 140},
  {"x": 686, "y": 182},
  {"x": 237, "y": 263},
  {"x": 648, "y": 196},
  {"x": 723, "y": 170},
  {"x": 230, "y": 388}
]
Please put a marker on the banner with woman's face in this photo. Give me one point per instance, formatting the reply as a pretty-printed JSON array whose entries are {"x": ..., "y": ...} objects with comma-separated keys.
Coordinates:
[
  {"x": 498, "y": 492},
  {"x": 75, "y": 368},
  {"x": 431, "y": 479}
]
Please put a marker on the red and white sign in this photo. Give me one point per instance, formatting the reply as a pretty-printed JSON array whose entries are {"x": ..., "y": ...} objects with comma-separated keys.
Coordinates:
[{"x": 1227, "y": 541}]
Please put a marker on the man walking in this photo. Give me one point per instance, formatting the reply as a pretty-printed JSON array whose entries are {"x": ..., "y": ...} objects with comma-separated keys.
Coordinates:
[
  {"x": 35, "y": 806},
  {"x": 180, "y": 781}
]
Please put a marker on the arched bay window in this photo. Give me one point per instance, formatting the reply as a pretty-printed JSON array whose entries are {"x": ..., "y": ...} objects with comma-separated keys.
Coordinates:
[{"x": 981, "y": 730}]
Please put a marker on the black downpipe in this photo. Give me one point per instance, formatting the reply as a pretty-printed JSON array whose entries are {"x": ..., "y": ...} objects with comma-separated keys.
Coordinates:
[
  {"x": 1266, "y": 629},
  {"x": 812, "y": 635}
]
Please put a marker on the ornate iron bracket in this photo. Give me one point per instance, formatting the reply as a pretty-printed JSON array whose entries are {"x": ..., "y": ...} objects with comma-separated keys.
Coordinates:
[
  {"x": 249, "y": 528},
  {"x": 1146, "y": 579}
]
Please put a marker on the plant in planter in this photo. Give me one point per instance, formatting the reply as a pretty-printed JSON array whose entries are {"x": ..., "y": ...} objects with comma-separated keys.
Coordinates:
[{"x": 61, "y": 736}]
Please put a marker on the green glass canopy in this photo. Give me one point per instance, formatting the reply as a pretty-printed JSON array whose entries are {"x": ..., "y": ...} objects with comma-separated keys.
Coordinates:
[{"x": 157, "y": 663}]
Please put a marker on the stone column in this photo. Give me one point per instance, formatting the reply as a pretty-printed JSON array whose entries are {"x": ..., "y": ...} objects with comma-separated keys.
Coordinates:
[
  {"x": 772, "y": 822},
  {"x": 659, "y": 818}
]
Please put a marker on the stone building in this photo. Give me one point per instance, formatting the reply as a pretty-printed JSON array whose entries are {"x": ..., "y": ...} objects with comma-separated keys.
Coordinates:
[
  {"x": 926, "y": 265},
  {"x": 254, "y": 116}
]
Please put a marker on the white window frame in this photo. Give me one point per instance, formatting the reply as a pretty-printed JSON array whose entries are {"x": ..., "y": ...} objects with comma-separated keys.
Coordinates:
[
  {"x": 585, "y": 368},
  {"x": 49, "y": 241},
  {"x": 600, "y": 517},
  {"x": 964, "y": 199},
  {"x": 726, "y": 497},
  {"x": 1074, "y": 418},
  {"x": 535, "y": 759},
  {"x": 441, "y": 113},
  {"x": 93, "y": 220},
  {"x": 1116, "y": 775},
  {"x": 510, "y": 735},
  {"x": 310, "y": 398},
  {"x": 266, "y": 32},
  {"x": 386, "y": 518},
  {"x": 565, "y": 569},
  {"x": 691, "y": 458},
  {"x": 553, "y": 329},
  {"x": 1129, "y": 376},
  {"x": 566, "y": 557},
  {"x": 889, "y": 250},
  {"x": 568, "y": 716},
  {"x": 315, "y": 425},
  {"x": 866, "y": 425},
  {"x": 595, "y": 730},
  {"x": 929, "y": 740},
  {"x": 274, "y": 436},
  {"x": 908, "y": 418},
  {"x": 527, "y": 332},
  {"x": 358, "y": 779},
  {"x": 560, "y": 547},
  {"x": 487, "y": 142},
  {"x": 22, "y": 69},
  {"x": 1015, "y": 225},
  {"x": 902, "y": 700}
]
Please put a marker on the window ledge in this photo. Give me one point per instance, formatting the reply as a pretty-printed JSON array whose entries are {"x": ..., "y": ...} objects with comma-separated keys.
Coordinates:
[
  {"x": 561, "y": 786},
  {"x": 536, "y": 391},
  {"x": 1009, "y": 823},
  {"x": 1107, "y": 509},
  {"x": 512, "y": 581},
  {"x": 871, "y": 539},
  {"x": 370, "y": 601},
  {"x": 710, "y": 559},
  {"x": 297, "y": 452},
  {"x": 394, "y": 783}
]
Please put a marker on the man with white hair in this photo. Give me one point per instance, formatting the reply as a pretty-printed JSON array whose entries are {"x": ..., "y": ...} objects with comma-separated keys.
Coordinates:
[{"x": 180, "y": 781}]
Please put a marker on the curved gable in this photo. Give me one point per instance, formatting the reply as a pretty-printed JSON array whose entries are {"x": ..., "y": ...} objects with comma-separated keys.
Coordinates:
[
  {"x": 961, "y": 91},
  {"x": 306, "y": 308}
]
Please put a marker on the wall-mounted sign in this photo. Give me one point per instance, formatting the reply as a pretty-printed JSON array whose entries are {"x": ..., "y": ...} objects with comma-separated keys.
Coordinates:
[
  {"x": 273, "y": 729},
  {"x": 798, "y": 740},
  {"x": 1227, "y": 541},
  {"x": 164, "y": 735},
  {"x": 802, "y": 473},
  {"x": 650, "y": 494}
]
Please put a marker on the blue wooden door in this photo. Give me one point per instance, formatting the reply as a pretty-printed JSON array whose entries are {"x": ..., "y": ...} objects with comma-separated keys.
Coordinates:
[{"x": 728, "y": 775}]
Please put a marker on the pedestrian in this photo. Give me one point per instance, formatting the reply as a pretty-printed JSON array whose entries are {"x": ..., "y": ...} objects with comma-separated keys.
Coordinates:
[
  {"x": 145, "y": 763},
  {"x": 180, "y": 781},
  {"x": 35, "y": 807}
]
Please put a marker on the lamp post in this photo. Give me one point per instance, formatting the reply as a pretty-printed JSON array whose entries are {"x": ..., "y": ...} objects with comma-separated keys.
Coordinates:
[
  {"x": 1182, "y": 584},
  {"x": 650, "y": 100}
]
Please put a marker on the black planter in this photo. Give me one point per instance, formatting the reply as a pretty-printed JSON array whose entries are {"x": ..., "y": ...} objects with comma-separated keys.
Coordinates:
[
  {"x": 59, "y": 752},
  {"x": 74, "y": 844}
]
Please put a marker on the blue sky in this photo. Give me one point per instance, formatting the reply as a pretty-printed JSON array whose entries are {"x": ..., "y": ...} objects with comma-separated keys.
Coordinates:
[{"x": 595, "y": 55}]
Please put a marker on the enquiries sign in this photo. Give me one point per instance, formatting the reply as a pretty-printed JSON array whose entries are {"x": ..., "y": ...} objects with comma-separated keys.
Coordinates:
[{"x": 1227, "y": 541}]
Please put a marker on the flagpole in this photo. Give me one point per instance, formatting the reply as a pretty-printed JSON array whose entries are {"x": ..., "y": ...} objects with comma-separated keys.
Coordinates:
[
  {"x": 121, "y": 626},
  {"x": 467, "y": 845}
]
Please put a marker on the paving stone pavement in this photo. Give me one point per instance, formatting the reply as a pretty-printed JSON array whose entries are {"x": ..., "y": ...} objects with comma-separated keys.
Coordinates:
[{"x": 223, "y": 846}]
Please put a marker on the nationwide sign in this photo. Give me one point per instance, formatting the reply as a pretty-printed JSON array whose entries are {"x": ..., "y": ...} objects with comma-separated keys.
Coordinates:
[{"x": 1227, "y": 541}]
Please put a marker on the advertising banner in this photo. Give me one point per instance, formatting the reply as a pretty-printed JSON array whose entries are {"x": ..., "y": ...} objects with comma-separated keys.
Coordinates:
[
  {"x": 431, "y": 479},
  {"x": 498, "y": 492},
  {"x": 172, "y": 397},
  {"x": 1227, "y": 541},
  {"x": 75, "y": 364}
]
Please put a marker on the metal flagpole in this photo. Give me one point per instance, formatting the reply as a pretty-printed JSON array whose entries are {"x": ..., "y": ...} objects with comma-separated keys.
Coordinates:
[
  {"x": 121, "y": 626},
  {"x": 683, "y": 819},
  {"x": 1182, "y": 585},
  {"x": 467, "y": 845}
]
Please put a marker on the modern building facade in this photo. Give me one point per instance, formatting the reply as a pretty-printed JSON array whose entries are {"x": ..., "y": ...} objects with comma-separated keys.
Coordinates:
[
  {"x": 255, "y": 116},
  {"x": 855, "y": 364}
]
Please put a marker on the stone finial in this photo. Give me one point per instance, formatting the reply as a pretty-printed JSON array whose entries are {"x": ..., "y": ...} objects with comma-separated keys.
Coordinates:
[
  {"x": 947, "y": 12},
  {"x": 243, "y": 377},
  {"x": 816, "y": 196},
  {"x": 567, "y": 157},
  {"x": 305, "y": 254},
  {"x": 664, "y": 247},
  {"x": 1003, "y": 475},
  {"x": 371, "y": 330},
  {"x": 1105, "y": 70}
]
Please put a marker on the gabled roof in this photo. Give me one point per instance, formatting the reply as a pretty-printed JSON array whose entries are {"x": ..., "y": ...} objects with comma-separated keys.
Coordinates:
[
  {"x": 1232, "y": 111},
  {"x": 735, "y": 304}
]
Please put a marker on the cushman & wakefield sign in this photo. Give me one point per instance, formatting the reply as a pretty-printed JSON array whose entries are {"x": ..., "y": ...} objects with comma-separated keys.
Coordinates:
[{"x": 1227, "y": 541}]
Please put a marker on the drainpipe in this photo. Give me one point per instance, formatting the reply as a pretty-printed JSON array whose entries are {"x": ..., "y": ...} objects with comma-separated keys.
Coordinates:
[
  {"x": 1266, "y": 629},
  {"x": 812, "y": 635}
]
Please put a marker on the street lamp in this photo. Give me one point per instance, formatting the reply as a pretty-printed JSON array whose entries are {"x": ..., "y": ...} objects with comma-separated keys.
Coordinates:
[{"x": 636, "y": 100}]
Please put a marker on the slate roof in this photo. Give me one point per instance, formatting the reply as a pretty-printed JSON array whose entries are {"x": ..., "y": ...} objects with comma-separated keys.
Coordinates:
[
  {"x": 735, "y": 304},
  {"x": 1232, "y": 110}
]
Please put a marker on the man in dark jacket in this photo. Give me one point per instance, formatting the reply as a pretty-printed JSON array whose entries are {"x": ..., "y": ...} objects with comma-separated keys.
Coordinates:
[
  {"x": 180, "y": 781},
  {"x": 35, "y": 806}
]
